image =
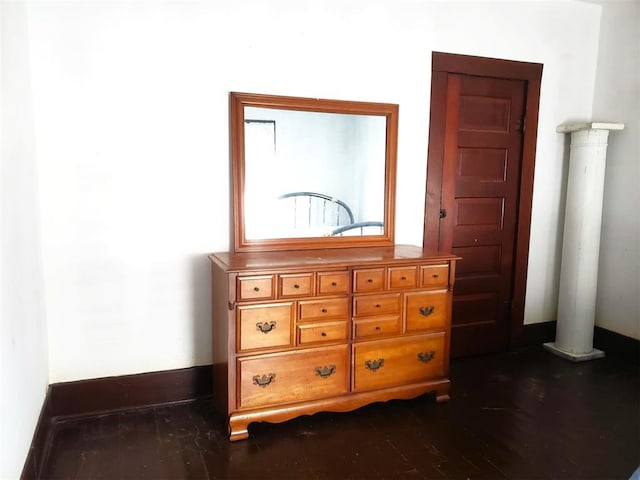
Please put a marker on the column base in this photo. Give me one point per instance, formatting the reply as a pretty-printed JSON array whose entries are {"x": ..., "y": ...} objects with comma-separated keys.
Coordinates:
[{"x": 574, "y": 357}]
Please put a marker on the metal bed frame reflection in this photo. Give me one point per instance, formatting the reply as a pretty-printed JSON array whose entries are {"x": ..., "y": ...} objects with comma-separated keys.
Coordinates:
[
  {"x": 318, "y": 209},
  {"x": 377, "y": 227},
  {"x": 313, "y": 209}
]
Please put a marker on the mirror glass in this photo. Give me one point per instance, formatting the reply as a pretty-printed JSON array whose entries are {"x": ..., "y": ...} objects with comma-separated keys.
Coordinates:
[
  {"x": 290, "y": 155},
  {"x": 312, "y": 173}
]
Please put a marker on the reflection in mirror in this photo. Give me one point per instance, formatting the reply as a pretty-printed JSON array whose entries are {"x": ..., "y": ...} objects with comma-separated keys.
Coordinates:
[{"x": 308, "y": 174}]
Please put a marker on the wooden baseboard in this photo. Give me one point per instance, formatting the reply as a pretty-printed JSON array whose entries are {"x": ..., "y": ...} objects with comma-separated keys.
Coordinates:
[
  {"x": 612, "y": 343},
  {"x": 538, "y": 333},
  {"x": 40, "y": 443},
  {"x": 102, "y": 395},
  {"x": 615, "y": 344},
  {"x": 95, "y": 395}
]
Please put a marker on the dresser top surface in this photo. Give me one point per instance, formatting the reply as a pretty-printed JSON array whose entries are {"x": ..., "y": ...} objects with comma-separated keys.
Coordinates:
[{"x": 245, "y": 261}]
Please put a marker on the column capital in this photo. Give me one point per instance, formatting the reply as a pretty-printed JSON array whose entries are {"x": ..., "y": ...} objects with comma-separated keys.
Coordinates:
[{"x": 570, "y": 127}]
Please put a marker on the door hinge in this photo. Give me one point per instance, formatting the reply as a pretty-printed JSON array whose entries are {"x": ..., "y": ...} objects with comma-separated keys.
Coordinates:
[
  {"x": 521, "y": 126},
  {"x": 508, "y": 304}
]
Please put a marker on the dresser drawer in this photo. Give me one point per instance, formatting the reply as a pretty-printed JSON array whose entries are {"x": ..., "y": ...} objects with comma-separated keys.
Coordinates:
[
  {"x": 293, "y": 376},
  {"x": 386, "y": 363},
  {"x": 403, "y": 277},
  {"x": 265, "y": 326},
  {"x": 295, "y": 285},
  {"x": 368, "y": 280},
  {"x": 386, "y": 304},
  {"x": 309, "y": 333},
  {"x": 333, "y": 283},
  {"x": 434, "y": 275},
  {"x": 376, "y": 327},
  {"x": 259, "y": 287},
  {"x": 323, "y": 309},
  {"x": 425, "y": 310}
]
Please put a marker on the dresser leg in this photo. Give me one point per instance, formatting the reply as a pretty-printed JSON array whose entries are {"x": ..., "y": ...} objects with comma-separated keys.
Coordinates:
[
  {"x": 442, "y": 393},
  {"x": 238, "y": 429}
]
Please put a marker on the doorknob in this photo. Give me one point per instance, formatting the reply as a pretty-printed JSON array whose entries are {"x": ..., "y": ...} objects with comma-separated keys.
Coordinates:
[{"x": 443, "y": 213}]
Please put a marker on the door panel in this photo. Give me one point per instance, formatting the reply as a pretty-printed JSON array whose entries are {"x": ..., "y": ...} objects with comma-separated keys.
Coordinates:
[
  {"x": 482, "y": 113},
  {"x": 482, "y": 164},
  {"x": 481, "y": 171},
  {"x": 478, "y": 308},
  {"x": 481, "y": 260},
  {"x": 475, "y": 214},
  {"x": 472, "y": 128}
]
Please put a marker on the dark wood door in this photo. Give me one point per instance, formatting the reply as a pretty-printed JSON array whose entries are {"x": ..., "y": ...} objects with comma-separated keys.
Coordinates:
[
  {"x": 480, "y": 185},
  {"x": 480, "y": 170}
]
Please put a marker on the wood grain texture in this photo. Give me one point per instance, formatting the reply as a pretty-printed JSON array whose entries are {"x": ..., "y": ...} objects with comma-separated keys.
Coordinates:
[
  {"x": 511, "y": 415},
  {"x": 481, "y": 225},
  {"x": 40, "y": 443},
  {"x": 435, "y": 160},
  {"x": 102, "y": 395},
  {"x": 525, "y": 207},
  {"x": 238, "y": 101},
  {"x": 444, "y": 111},
  {"x": 316, "y": 259},
  {"x": 490, "y": 67},
  {"x": 623, "y": 357},
  {"x": 269, "y": 370},
  {"x": 85, "y": 397}
]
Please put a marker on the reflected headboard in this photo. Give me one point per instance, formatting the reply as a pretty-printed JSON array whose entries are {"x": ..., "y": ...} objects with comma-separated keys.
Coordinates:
[{"x": 314, "y": 210}]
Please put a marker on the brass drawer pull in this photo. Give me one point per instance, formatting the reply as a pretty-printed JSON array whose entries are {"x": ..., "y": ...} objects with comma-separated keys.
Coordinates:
[
  {"x": 374, "y": 365},
  {"x": 324, "y": 310},
  {"x": 296, "y": 286},
  {"x": 426, "y": 356},
  {"x": 256, "y": 289},
  {"x": 435, "y": 275},
  {"x": 334, "y": 284},
  {"x": 264, "y": 380},
  {"x": 324, "y": 334},
  {"x": 426, "y": 311},
  {"x": 326, "y": 371},
  {"x": 370, "y": 280},
  {"x": 266, "y": 327},
  {"x": 403, "y": 278}
]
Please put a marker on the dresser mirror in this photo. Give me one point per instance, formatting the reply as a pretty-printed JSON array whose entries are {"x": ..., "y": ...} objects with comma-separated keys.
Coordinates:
[{"x": 311, "y": 173}]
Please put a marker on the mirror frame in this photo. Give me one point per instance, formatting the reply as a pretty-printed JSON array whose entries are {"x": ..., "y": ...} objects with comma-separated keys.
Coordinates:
[{"x": 238, "y": 101}]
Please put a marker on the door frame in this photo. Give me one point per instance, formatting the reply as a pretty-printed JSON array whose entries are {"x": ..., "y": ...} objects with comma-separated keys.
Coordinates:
[{"x": 443, "y": 64}]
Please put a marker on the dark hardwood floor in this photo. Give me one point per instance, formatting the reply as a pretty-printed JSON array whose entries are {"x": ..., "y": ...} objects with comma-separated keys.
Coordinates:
[{"x": 523, "y": 415}]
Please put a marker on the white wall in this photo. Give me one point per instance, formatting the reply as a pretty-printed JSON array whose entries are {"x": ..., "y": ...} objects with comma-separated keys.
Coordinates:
[
  {"x": 131, "y": 123},
  {"x": 23, "y": 344},
  {"x": 617, "y": 99}
]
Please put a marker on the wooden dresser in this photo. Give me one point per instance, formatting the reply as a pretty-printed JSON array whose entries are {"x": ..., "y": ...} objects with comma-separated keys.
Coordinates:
[{"x": 299, "y": 332}]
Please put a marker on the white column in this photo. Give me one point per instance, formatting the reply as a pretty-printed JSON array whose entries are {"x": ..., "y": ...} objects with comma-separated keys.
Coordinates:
[{"x": 581, "y": 241}]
